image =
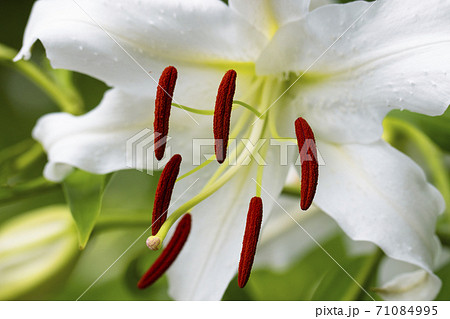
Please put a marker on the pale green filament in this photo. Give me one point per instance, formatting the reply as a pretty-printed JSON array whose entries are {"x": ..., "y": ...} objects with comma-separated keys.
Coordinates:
[
  {"x": 249, "y": 93},
  {"x": 237, "y": 157},
  {"x": 248, "y": 107},
  {"x": 256, "y": 134},
  {"x": 240, "y": 147},
  {"x": 226, "y": 163},
  {"x": 192, "y": 110},
  {"x": 240, "y": 124},
  {"x": 192, "y": 171},
  {"x": 234, "y": 133},
  {"x": 211, "y": 112}
]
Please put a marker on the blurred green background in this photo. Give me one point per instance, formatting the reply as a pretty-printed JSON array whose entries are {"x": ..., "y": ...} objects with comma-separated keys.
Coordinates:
[{"x": 51, "y": 267}]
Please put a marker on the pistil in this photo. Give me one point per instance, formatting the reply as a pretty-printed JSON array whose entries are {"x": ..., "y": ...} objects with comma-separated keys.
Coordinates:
[
  {"x": 257, "y": 132},
  {"x": 169, "y": 253}
]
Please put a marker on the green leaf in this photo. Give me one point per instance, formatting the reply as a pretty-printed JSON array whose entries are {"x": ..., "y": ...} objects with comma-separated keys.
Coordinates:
[{"x": 84, "y": 193}]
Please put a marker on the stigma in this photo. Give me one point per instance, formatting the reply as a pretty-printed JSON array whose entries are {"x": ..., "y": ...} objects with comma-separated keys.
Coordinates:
[{"x": 169, "y": 254}]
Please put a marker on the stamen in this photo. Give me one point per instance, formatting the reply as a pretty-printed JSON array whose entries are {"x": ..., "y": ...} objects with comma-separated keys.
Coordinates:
[
  {"x": 256, "y": 133},
  {"x": 308, "y": 158},
  {"x": 164, "y": 190},
  {"x": 169, "y": 254},
  {"x": 222, "y": 114},
  {"x": 252, "y": 228},
  {"x": 163, "y": 104}
]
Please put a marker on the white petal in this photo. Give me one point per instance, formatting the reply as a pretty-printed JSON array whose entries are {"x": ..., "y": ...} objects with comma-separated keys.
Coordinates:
[
  {"x": 97, "y": 141},
  {"x": 268, "y": 15},
  {"x": 210, "y": 257},
  {"x": 84, "y": 36},
  {"x": 394, "y": 56},
  {"x": 402, "y": 281},
  {"x": 377, "y": 194},
  {"x": 283, "y": 241}
]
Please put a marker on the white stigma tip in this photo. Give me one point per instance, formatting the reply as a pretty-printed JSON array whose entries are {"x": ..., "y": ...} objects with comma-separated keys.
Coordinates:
[{"x": 153, "y": 242}]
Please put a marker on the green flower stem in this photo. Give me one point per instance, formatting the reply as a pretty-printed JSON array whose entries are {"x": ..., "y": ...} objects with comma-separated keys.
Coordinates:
[
  {"x": 431, "y": 153},
  {"x": 443, "y": 233},
  {"x": 67, "y": 101},
  {"x": 29, "y": 157},
  {"x": 15, "y": 150},
  {"x": 365, "y": 276},
  {"x": 21, "y": 155},
  {"x": 105, "y": 222},
  {"x": 31, "y": 189}
]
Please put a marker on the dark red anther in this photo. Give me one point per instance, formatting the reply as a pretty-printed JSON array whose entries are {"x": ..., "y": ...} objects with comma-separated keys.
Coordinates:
[
  {"x": 163, "y": 103},
  {"x": 252, "y": 229},
  {"x": 308, "y": 158},
  {"x": 169, "y": 253},
  {"x": 222, "y": 114},
  {"x": 164, "y": 192}
]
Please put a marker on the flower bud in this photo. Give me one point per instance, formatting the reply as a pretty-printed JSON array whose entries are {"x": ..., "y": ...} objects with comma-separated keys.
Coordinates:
[{"x": 35, "y": 247}]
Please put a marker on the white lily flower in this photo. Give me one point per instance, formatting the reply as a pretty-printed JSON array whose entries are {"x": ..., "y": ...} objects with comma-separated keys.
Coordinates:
[{"x": 345, "y": 67}]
